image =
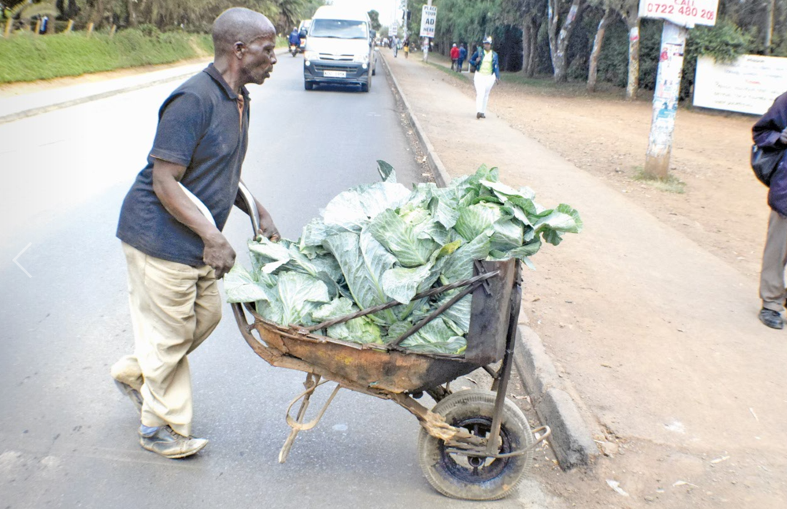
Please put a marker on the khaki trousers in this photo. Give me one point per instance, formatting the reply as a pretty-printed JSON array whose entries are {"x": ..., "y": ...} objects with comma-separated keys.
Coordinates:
[
  {"x": 774, "y": 259},
  {"x": 174, "y": 308}
]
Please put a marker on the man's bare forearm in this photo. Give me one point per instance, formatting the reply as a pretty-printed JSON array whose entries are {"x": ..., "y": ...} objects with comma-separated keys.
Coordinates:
[
  {"x": 183, "y": 209},
  {"x": 167, "y": 188}
]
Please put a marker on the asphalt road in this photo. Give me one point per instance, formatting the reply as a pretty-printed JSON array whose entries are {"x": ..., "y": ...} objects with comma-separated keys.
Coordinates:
[{"x": 67, "y": 438}]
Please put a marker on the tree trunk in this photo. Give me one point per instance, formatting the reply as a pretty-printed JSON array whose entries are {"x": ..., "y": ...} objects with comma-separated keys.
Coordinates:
[
  {"x": 770, "y": 8},
  {"x": 598, "y": 41},
  {"x": 534, "y": 46},
  {"x": 98, "y": 13},
  {"x": 132, "y": 13},
  {"x": 529, "y": 34},
  {"x": 632, "y": 22},
  {"x": 558, "y": 41},
  {"x": 72, "y": 11},
  {"x": 143, "y": 15}
]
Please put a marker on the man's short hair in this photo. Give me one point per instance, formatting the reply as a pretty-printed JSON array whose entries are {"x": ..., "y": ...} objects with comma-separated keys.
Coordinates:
[{"x": 239, "y": 24}]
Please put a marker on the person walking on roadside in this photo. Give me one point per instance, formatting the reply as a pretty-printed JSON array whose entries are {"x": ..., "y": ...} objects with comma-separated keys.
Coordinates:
[
  {"x": 171, "y": 225},
  {"x": 770, "y": 133},
  {"x": 454, "y": 57},
  {"x": 487, "y": 74},
  {"x": 395, "y": 45},
  {"x": 462, "y": 57},
  {"x": 406, "y": 49}
]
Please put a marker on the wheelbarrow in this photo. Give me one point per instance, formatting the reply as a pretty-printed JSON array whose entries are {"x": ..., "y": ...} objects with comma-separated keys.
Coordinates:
[{"x": 473, "y": 444}]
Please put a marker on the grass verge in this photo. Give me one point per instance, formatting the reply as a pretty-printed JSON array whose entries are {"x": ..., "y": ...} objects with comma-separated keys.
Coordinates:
[
  {"x": 671, "y": 184},
  {"x": 25, "y": 57},
  {"x": 447, "y": 70}
]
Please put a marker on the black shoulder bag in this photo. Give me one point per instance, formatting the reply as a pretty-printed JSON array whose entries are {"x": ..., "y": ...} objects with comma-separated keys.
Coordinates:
[{"x": 764, "y": 162}]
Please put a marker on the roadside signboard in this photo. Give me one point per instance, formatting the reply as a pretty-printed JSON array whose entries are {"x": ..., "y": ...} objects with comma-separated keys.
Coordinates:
[
  {"x": 748, "y": 85},
  {"x": 428, "y": 20},
  {"x": 681, "y": 12}
]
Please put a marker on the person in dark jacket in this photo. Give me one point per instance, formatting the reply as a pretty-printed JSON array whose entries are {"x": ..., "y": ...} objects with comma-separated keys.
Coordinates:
[
  {"x": 487, "y": 74},
  {"x": 295, "y": 37},
  {"x": 770, "y": 132},
  {"x": 462, "y": 57}
]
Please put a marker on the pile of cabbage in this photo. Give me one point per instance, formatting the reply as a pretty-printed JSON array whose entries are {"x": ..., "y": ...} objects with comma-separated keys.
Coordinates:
[{"x": 381, "y": 242}]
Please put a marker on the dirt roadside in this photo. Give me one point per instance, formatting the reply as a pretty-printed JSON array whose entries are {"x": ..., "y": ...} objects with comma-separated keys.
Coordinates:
[
  {"x": 722, "y": 206},
  {"x": 651, "y": 316}
]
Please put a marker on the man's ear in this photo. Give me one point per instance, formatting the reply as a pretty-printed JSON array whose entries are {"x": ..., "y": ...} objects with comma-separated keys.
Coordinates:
[{"x": 239, "y": 48}]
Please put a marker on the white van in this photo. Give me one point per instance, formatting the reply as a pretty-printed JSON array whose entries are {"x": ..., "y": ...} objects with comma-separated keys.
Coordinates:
[{"x": 340, "y": 48}]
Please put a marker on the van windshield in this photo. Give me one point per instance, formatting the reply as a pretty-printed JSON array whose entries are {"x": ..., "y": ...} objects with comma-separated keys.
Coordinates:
[{"x": 338, "y": 29}]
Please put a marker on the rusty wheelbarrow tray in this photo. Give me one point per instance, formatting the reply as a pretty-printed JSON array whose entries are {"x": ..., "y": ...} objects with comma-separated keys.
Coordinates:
[{"x": 473, "y": 444}]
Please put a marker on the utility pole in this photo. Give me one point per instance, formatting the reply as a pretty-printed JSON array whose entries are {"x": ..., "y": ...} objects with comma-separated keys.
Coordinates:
[
  {"x": 665, "y": 100},
  {"x": 425, "y": 46},
  {"x": 677, "y": 19},
  {"x": 404, "y": 21}
]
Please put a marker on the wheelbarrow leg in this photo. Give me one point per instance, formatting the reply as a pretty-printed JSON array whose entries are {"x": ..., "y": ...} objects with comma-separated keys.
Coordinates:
[
  {"x": 297, "y": 424},
  {"x": 310, "y": 384}
]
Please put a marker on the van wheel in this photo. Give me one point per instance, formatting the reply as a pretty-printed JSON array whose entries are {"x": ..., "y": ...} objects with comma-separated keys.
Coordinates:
[
  {"x": 308, "y": 85},
  {"x": 364, "y": 87}
]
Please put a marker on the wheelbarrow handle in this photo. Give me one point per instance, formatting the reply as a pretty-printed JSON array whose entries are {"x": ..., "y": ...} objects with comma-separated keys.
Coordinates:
[{"x": 251, "y": 207}]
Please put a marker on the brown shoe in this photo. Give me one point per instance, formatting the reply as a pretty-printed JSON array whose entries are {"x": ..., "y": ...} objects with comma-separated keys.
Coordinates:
[
  {"x": 478, "y": 115},
  {"x": 168, "y": 443}
]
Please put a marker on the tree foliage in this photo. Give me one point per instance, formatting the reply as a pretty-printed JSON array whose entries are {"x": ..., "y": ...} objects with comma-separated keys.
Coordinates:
[
  {"x": 374, "y": 16},
  {"x": 522, "y": 31},
  {"x": 190, "y": 15}
]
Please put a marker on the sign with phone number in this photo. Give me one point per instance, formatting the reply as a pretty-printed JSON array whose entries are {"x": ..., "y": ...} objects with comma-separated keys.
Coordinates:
[{"x": 697, "y": 12}]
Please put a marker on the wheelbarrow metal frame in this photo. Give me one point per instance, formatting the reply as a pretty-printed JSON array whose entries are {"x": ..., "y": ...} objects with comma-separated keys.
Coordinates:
[{"x": 281, "y": 346}]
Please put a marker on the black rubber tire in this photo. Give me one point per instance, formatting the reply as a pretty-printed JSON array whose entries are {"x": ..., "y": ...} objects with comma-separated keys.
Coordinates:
[
  {"x": 496, "y": 478},
  {"x": 364, "y": 87},
  {"x": 308, "y": 85}
]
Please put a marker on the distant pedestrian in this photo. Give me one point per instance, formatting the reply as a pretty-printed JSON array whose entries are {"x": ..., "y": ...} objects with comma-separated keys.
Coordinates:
[
  {"x": 488, "y": 73},
  {"x": 406, "y": 49},
  {"x": 395, "y": 45},
  {"x": 462, "y": 57},
  {"x": 770, "y": 133},
  {"x": 454, "y": 57}
]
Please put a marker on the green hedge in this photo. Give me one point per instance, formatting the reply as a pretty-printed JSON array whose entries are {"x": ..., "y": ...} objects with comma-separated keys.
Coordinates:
[{"x": 24, "y": 57}]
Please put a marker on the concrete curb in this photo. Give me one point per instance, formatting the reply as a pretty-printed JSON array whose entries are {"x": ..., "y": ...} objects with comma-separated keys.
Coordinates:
[
  {"x": 441, "y": 175},
  {"x": 94, "y": 97},
  {"x": 571, "y": 439}
]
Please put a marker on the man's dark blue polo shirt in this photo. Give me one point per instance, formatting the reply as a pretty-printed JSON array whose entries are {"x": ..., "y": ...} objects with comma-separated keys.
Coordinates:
[{"x": 202, "y": 128}]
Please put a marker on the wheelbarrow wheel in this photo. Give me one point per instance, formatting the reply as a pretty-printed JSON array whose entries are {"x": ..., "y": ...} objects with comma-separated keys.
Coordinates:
[{"x": 471, "y": 478}]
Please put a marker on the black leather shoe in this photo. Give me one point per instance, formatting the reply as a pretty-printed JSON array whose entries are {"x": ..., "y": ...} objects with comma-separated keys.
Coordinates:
[
  {"x": 771, "y": 318},
  {"x": 483, "y": 115},
  {"x": 132, "y": 393},
  {"x": 478, "y": 115},
  {"x": 168, "y": 443}
]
